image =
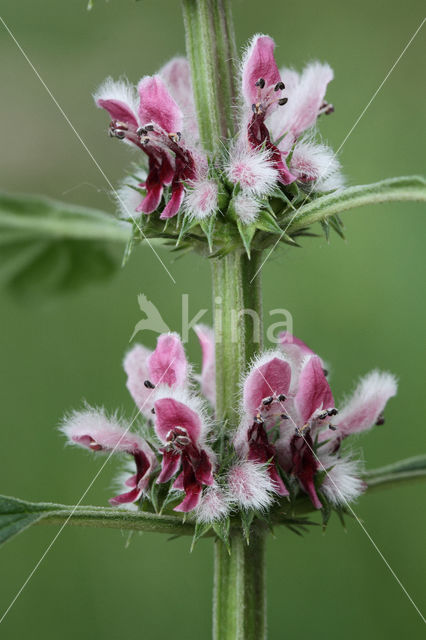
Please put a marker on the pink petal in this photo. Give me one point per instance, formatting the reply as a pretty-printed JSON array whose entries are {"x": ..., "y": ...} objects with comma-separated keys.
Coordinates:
[
  {"x": 259, "y": 62},
  {"x": 157, "y": 105},
  {"x": 173, "y": 205},
  {"x": 119, "y": 111},
  {"x": 170, "y": 464},
  {"x": 93, "y": 429},
  {"x": 171, "y": 413},
  {"x": 313, "y": 389},
  {"x": 208, "y": 372},
  {"x": 366, "y": 404},
  {"x": 191, "y": 500},
  {"x": 287, "y": 339},
  {"x": 136, "y": 366},
  {"x": 124, "y": 498},
  {"x": 204, "y": 470},
  {"x": 304, "y": 101},
  {"x": 152, "y": 199},
  {"x": 271, "y": 377},
  {"x": 177, "y": 77},
  {"x": 168, "y": 364}
]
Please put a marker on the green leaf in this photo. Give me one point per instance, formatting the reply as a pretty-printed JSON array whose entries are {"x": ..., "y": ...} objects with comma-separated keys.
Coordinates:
[
  {"x": 247, "y": 232},
  {"x": 266, "y": 222},
  {"x": 208, "y": 228},
  {"x": 390, "y": 190},
  {"x": 17, "y": 515},
  {"x": 48, "y": 246},
  {"x": 201, "y": 528},
  {"x": 408, "y": 470}
]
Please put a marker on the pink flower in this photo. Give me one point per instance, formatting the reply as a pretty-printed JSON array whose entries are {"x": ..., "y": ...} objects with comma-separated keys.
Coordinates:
[
  {"x": 289, "y": 415},
  {"x": 181, "y": 427},
  {"x": 145, "y": 369},
  {"x": 277, "y": 122},
  {"x": 265, "y": 389},
  {"x": 93, "y": 430},
  {"x": 153, "y": 122},
  {"x": 262, "y": 89}
]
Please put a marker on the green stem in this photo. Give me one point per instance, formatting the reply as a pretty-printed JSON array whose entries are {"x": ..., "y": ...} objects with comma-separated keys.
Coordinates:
[
  {"x": 239, "y": 611},
  {"x": 239, "y": 589},
  {"x": 210, "y": 45},
  {"x": 238, "y": 325}
]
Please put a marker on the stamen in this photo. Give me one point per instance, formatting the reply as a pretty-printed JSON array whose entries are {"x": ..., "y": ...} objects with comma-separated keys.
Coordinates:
[
  {"x": 175, "y": 137},
  {"x": 279, "y": 86},
  {"x": 282, "y": 101},
  {"x": 332, "y": 411},
  {"x": 141, "y": 131},
  {"x": 300, "y": 430},
  {"x": 260, "y": 83},
  {"x": 149, "y": 127},
  {"x": 267, "y": 401},
  {"x": 380, "y": 420},
  {"x": 323, "y": 415},
  {"x": 148, "y": 384},
  {"x": 282, "y": 397},
  {"x": 283, "y": 416},
  {"x": 325, "y": 372},
  {"x": 332, "y": 427}
]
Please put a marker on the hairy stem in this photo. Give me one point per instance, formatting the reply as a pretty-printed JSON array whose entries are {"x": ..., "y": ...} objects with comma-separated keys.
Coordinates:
[
  {"x": 239, "y": 589},
  {"x": 239, "y": 611},
  {"x": 238, "y": 326},
  {"x": 210, "y": 44}
]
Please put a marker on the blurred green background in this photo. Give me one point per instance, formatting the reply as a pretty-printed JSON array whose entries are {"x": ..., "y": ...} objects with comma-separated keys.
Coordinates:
[{"x": 356, "y": 302}]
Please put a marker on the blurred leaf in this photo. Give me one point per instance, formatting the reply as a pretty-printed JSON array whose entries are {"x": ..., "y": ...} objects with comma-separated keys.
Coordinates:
[
  {"x": 17, "y": 515},
  {"x": 48, "y": 246},
  {"x": 390, "y": 190},
  {"x": 408, "y": 470}
]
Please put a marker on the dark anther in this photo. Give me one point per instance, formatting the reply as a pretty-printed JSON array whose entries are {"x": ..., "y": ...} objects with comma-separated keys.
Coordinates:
[
  {"x": 141, "y": 131},
  {"x": 332, "y": 427},
  {"x": 148, "y": 384},
  {"x": 325, "y": 372},
  {"x": 153, "y": 410},
  {"x": 260, "y": 83},
  {"x": 322, "y": 415},
  {"x": 380, "y": 420},
  {"x": 283, "y": 416},
  {"x": 267, "y": 400},
  {"x": 179, "y": 135},
  {"x": 254, "y": 108},
  {"x": 282, "y": 101},
  {"x": 149, "y": 127},
  {"x": 282, "y": 397},
  {"x": 279, "y": 86},
  {"x": 332, "y": 412}
]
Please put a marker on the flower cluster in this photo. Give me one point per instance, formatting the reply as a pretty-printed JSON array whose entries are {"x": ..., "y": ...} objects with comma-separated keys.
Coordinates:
[
  {"x": 270, "y": 166},
  {"x": 287, "y": 447}
]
